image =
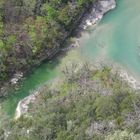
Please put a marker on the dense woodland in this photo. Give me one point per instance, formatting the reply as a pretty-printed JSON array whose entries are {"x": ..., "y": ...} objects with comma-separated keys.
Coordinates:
[
  {"x": 33, "y": 30},
  {"x": 88, "y": 104}
]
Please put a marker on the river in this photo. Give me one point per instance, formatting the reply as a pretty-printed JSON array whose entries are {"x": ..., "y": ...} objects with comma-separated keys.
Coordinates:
[{"x": 116, "y": 40}]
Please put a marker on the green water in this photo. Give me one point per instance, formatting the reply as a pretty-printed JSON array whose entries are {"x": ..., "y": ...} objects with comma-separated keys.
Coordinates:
[
  {"x": 116, "y": 39},
  {"x": 42, "y": 75},
  {"x": 38, "y": 77}
]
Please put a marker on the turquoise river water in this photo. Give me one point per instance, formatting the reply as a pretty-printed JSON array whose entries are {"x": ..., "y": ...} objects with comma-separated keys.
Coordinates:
[{"x": 115, "y": 39}]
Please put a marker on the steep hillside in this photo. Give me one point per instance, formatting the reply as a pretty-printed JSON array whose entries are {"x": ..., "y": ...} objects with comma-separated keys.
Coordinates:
[{"x": 33, "y": 30}]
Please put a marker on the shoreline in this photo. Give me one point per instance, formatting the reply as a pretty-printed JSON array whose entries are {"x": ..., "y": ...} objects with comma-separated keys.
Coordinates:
[
  {"x": 129, "y": 78},
  {"x": 23, "y": 105},
  {"x": 93, "y": 18},
  {"x": 98, "y": 9}
]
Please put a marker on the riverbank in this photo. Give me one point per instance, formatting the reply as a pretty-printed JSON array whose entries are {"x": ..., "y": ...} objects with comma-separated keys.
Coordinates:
[
  {"x": 89, "y": 101},
  {"x": 122, "y": 75},
  {"x": 36, "y": 36},
  {"x": 23, "y": 105},
  {"x": 99, "y": 9},
  {"x": 15, "y": 73},
  {"x": 129, "y": 78}
]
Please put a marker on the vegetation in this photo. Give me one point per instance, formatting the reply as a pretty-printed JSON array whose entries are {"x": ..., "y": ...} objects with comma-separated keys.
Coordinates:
[
  {"x": 32, "y": 30},
  {"x": 88, "y": 104}
]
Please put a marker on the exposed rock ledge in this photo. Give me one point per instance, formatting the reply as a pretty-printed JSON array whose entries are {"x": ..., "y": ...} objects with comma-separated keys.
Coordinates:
[
  {"x": 99, "y": 9},
  {"x": 23, "y": 105}
]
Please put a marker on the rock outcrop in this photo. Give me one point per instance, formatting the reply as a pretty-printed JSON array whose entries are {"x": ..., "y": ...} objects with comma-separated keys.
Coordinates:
[
  {"x": 23, "y": 105},
  {"x": 100, "y": 8}
]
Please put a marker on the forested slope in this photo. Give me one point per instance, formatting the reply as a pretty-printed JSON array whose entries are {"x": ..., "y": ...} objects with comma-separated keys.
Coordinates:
[
  {"x": 33, "y": 30},
  {"x": 88, "y": 104}
]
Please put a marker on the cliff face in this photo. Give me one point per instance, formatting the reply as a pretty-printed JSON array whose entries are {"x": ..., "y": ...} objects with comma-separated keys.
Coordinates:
[{"x": 32, "y": 30}]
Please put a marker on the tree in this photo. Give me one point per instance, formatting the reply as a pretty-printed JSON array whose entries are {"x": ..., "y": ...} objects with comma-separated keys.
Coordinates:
[{"x": 105, "y": 107}]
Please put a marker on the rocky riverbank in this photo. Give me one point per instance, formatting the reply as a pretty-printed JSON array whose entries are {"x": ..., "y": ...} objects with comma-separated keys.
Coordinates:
[
  {"x": 24, "y": 46},
  {"x": 131, "y": 80},
  {"x": 23, "y": 105},
  {"x": 100, "y": 8},
  {"x": 96, "y": 14}
]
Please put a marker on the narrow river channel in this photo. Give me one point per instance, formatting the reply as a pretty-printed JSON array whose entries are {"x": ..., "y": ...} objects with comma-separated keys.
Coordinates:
[{"x": 116, "y": 39}]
